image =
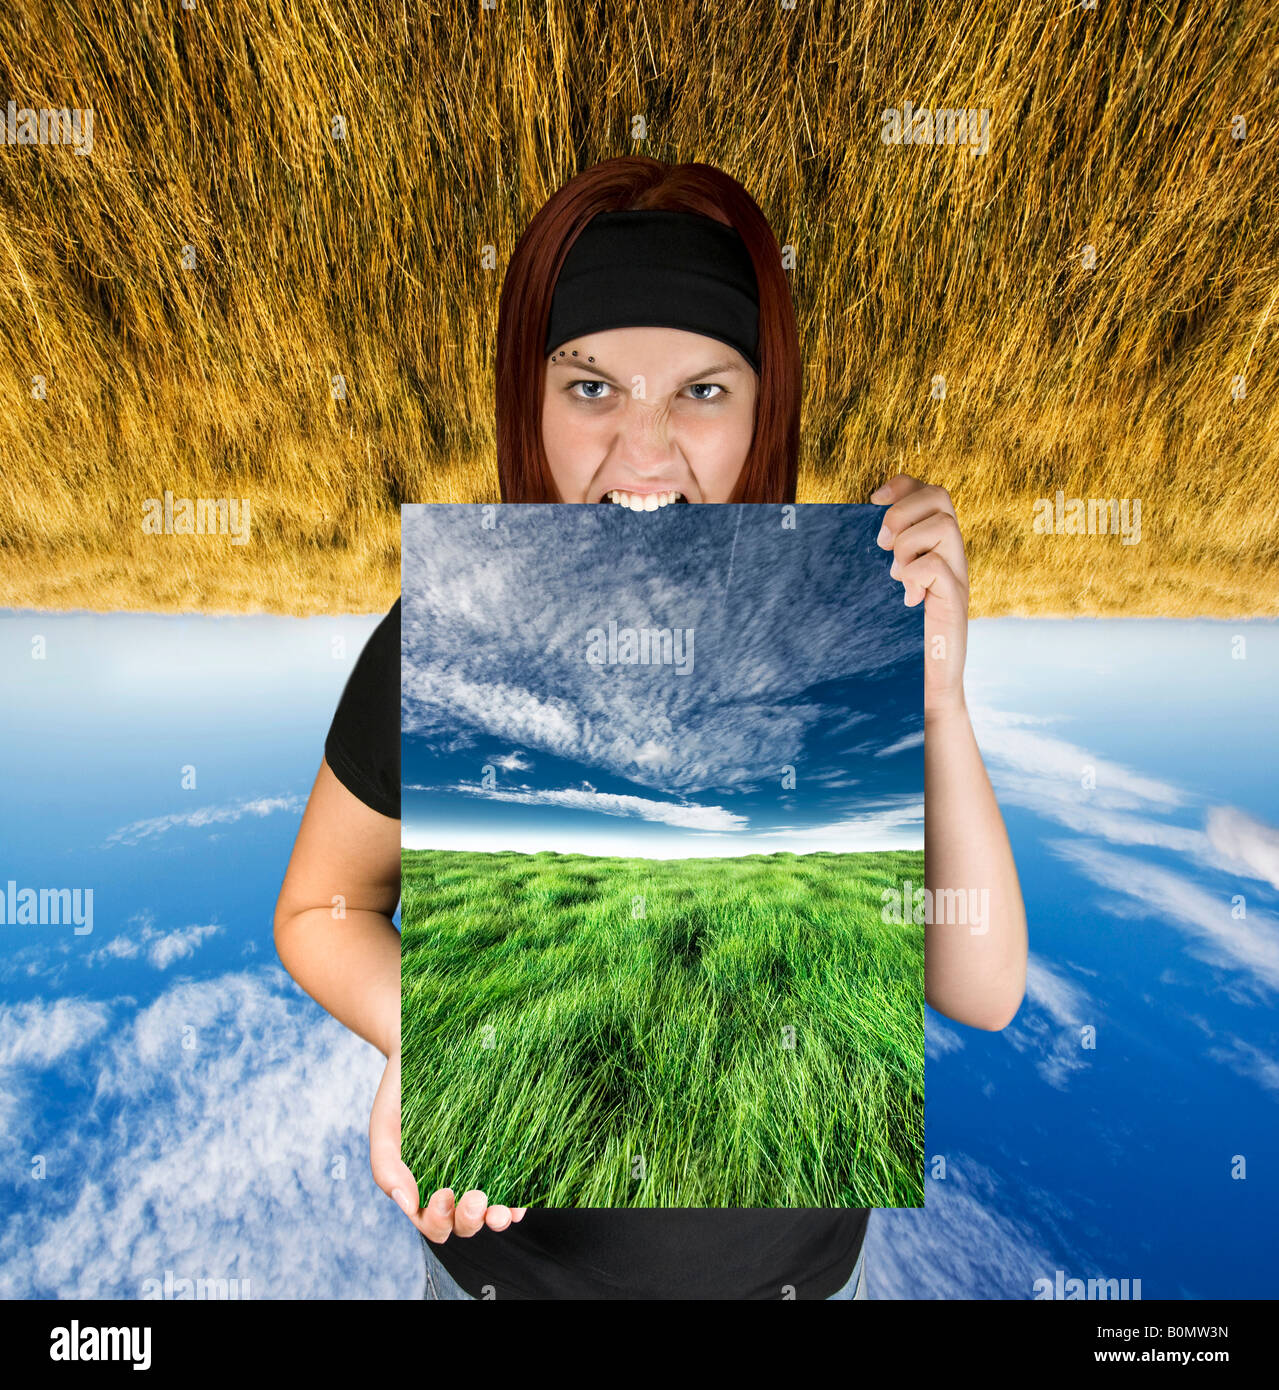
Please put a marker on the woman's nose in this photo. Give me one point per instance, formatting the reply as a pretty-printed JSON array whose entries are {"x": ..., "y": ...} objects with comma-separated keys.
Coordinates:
[{"x": 646, "y": 438}]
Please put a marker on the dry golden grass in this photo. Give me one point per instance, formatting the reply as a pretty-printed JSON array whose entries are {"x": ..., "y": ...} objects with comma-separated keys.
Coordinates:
[{"x": 315, "y": 256}]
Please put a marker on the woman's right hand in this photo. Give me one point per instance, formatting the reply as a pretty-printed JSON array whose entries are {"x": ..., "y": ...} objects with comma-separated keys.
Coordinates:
[{"x": 442, "y": 1215}]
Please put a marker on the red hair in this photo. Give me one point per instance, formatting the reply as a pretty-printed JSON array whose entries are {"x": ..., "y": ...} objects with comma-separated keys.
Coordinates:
[{"x": 637, "y": 183}]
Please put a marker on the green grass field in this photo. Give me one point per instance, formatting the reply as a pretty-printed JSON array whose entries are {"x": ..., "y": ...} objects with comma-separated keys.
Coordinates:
[{"x": 591, "y": 1032}]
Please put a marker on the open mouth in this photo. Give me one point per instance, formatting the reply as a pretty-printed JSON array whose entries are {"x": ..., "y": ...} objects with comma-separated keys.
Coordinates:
[{"x": 642, "y": 501}]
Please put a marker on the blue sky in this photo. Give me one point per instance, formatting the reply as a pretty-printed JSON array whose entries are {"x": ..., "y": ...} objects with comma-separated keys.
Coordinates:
[
  {"x": 1117, "y": 1161},
  {"x": 197, "y": 1113},
  {"x": 797, "y": 653}
]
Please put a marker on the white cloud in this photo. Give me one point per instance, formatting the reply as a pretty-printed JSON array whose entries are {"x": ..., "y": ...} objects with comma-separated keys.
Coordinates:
[
  {"x": 160, "y": 948},
  {"x": 914, "y": 740},
  {"x": 1044, "y": 775},
  {"x": 1064, "y": 1002},
  {"x": 939, "y": 1037},
  {"x": 1249, "y": 1061},
  {"x": 689, "y": 817},
  {"x": 138, "y": 830},
  {"x": 221, "y": 1159},
  {"x": 895, "y": 823},
  {"x": 1240, "y": 840},
  {"x": 177, "y": 945},
  {"x": 1250, "y": 944},
  {"x": 35, "y": 1036},
  {"x": 1047, "y": 773},
  {"x": 963, "y": 1244},
  {"x": 1049, "y": 1023},
  {"x": 38, "y": 1033}
]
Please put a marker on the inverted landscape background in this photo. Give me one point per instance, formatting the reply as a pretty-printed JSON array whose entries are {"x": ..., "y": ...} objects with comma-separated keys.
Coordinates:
[
  {"x": 1151, "y": 375},
  {"x": 1110, "y": 127},
  {"x": 246, "y": 1155}
]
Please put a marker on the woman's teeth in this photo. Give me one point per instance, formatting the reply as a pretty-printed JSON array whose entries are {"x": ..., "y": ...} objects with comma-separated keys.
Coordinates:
[{"x": 640, "y": 502}]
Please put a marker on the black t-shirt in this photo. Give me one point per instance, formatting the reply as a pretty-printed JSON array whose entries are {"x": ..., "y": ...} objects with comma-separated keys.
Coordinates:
[{"x": 759, "y": 1253}]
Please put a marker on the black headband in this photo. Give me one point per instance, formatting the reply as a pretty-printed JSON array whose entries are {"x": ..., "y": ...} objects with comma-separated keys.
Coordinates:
[{"x": 657, "y": 270}]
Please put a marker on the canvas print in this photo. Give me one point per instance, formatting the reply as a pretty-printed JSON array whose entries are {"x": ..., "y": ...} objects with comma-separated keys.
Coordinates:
[{"x": 662, "y": 823}]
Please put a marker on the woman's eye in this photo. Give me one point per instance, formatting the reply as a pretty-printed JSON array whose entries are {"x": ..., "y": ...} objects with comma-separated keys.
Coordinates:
[
  {"x": 706, "y": 386},
  {"x": 590, "y": 391}
]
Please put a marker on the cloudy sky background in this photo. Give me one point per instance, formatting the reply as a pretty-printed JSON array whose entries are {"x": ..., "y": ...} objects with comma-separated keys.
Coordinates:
[
  {"x": 197, "y": 1113},
  {"x": 804, "y": 656}
]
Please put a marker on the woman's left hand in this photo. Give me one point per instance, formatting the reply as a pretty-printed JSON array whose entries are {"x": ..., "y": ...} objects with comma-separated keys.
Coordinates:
[{"x": 922, "y": 531}]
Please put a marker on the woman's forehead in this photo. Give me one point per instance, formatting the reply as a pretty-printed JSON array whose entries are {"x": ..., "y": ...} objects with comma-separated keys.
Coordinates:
[{"x": 671, "y": 351}]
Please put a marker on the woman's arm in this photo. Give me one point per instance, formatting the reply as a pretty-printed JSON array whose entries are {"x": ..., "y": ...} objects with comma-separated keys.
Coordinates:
[
  {"x": 334, "y": 935},
  {"x": 974, "y": 972},
  {"x": 333, "y": 928}
]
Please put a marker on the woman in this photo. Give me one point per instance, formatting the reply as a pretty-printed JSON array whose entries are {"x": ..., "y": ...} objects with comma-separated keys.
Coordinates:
[{"x": 647, "y": 356}]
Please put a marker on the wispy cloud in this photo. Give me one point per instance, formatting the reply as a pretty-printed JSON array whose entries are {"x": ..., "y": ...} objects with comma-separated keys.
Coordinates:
[
  {"x": 914, "y": 740},
  {"x": 1250, "y": 1062},
  {"x": 196, "y": 819},
  {"x": 688, "y": 816},
  {"x": 512, "y": 762},
  {"x": 1242, "y": 841},
  {"x": 1204, "y": 918},
  {"x": 939, "y": 1037},
  {"x": 39, "y": 1032},
  {"x": 1045, "y": 774},
  {"x": 1050, "y": 1021},
  {"x": 161, "y": 948},
  {"x": 36, "y": 1035},
  {"x": 237, "y": 1148},
  {"x": 744, "y": 708},
  {"x": 963, "y": 1244},
  {"x": 895, "y": 822}
]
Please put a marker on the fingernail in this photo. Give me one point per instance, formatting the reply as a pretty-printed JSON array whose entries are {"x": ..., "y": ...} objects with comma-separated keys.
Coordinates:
[
  {"x": 885, "y": 537},
  {"x": 402, "y": 1200},
  {"x": 880, "y": 494},
  {"x": 893, "y": 570}
]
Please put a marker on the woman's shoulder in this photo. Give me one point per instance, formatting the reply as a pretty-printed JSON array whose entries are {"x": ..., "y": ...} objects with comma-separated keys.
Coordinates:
[{"x": 363, "y": 743}]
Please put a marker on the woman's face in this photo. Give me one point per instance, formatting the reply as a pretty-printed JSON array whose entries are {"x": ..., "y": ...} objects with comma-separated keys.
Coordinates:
[{"x": 649, "y": 416}]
